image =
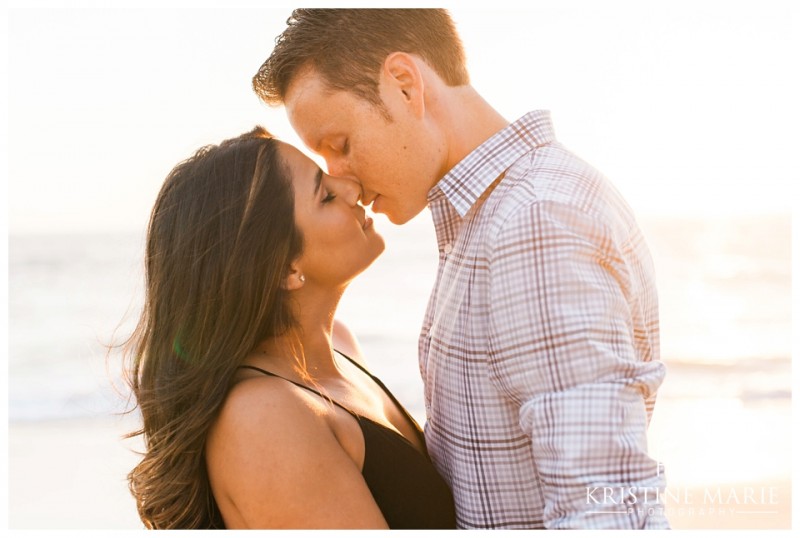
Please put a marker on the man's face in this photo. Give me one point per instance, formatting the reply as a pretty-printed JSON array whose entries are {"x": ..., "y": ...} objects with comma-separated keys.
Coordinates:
[{"x": 396, "y": 161}]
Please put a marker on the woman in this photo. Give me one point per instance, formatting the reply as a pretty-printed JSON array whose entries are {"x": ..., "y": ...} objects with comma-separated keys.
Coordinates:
[{"x": 257, "y": 409}]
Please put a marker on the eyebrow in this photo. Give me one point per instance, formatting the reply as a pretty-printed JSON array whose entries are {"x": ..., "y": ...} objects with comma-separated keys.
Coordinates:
[{"x": 317, "y": 181}]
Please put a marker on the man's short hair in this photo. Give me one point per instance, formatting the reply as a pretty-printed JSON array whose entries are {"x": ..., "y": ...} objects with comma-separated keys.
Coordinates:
[{"x": 347, "y": 48}]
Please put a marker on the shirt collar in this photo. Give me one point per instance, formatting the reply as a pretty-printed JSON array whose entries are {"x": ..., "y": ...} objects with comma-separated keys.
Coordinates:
[{"x": 468, "y": 179}]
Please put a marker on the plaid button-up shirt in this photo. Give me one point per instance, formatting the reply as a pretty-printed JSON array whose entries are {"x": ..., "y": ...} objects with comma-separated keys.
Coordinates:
[{"x": 540, "y": 346}]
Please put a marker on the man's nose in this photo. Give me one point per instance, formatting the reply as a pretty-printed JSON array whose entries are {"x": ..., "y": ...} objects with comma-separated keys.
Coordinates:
[
  {"x": 338, "y": 167},
  {"x": 367, "y": 196},
  {"x": 349, "y": 189}
]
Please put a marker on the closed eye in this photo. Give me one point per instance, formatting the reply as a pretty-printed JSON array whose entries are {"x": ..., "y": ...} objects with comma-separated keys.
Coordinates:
[{"x": 328, "y": 198}]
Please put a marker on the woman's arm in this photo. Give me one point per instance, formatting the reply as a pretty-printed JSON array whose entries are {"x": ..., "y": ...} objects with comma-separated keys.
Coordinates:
[{"x": 274, "y": 462}]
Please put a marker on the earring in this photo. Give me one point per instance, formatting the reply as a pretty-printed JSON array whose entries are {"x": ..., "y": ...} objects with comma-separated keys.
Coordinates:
[{"x": 302, "y": 278}]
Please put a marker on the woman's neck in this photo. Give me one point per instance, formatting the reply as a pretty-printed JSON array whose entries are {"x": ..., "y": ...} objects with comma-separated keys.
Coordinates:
[{"x": 310, "y": 341}]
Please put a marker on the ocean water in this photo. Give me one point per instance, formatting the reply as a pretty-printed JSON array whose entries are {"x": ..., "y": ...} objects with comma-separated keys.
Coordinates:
[{"x": 724, "y": 284}]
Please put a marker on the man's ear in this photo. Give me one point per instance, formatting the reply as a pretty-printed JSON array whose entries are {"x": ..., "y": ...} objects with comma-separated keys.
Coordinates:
[
  {"x": 294, "y": 280},
  {"x": 402, "y": 76}
]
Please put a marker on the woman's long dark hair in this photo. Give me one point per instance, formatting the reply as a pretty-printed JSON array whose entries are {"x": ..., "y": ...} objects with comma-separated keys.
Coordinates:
[{"x": 220, "y": 241}]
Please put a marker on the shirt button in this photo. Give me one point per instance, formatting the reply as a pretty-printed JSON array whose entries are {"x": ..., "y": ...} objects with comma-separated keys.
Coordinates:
[{"x": 448, "y": 248}]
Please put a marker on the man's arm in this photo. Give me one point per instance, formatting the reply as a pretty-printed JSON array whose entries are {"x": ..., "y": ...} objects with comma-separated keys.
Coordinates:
[{"x": 563, "y": 346}]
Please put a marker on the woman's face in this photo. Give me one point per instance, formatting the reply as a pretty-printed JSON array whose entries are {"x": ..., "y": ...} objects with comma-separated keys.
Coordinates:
[{"x": 339, "y": 240}]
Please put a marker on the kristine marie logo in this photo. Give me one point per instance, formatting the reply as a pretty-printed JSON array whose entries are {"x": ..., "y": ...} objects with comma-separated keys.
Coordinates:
[
  {"x": 657, "y": 500},
  {"x": 625, "y": 500}
]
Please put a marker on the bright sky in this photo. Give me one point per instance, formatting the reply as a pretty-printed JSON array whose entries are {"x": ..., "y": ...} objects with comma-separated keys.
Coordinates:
[{"x": 689, "y": 107}]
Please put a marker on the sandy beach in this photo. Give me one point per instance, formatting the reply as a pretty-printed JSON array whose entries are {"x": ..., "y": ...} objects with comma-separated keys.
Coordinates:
[
  {"x": 70, "y": 474},
  {"x": 727, "y": 460}
]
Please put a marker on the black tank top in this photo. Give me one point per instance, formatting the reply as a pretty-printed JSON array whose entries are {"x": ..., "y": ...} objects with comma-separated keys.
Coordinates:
[{"x": 406, "y": 487}]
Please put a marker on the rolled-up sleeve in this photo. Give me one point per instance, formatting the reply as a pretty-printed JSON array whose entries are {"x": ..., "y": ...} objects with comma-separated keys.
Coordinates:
[{"x": 564, "y": 345}]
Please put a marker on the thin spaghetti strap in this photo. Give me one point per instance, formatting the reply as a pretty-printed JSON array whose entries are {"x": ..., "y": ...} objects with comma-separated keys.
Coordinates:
[
  {"x": 379, "y": 383},
  {"x": 356, "y": 364},
  {"x": 386, "y": 390},
  {"x": 295, "y": 383}
]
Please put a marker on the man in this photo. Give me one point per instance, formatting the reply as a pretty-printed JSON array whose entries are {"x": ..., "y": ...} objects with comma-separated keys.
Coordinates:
[{"x": 539, "y": 350}]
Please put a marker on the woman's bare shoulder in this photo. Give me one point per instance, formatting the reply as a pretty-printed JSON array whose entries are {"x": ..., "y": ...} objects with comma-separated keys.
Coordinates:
[
  {"x": 267, "y": 453},
  {"x": 263, "y": 403}
]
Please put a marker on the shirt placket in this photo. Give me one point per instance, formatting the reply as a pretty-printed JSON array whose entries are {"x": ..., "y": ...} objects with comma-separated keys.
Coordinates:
[{"x": 446, "y": 223}]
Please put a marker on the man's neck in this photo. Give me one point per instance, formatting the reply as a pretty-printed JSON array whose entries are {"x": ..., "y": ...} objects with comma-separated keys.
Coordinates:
[{"x": 467, "y": 120}]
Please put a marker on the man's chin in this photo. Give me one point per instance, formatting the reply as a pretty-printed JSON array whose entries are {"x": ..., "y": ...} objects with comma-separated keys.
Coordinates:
[
  {"x": 395, "y": 215},
  {"x": 400, "y": 218}
]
